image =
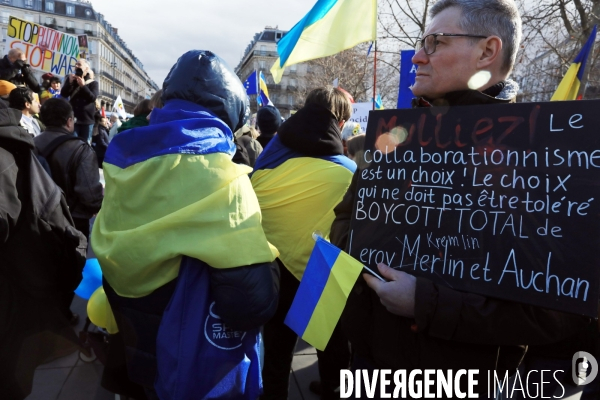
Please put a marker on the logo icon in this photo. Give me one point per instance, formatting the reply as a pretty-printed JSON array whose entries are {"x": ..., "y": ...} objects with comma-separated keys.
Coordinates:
[
  {"x": 581, "y": 362},
  {"x": 219, "y": 334}
]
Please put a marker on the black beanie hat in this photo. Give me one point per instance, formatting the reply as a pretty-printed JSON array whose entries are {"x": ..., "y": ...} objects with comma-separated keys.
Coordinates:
[{"x": 268, "y": 120}]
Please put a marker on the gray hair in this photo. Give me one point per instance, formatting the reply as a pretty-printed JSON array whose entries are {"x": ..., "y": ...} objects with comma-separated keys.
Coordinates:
[{"x": 489, "y": 17}]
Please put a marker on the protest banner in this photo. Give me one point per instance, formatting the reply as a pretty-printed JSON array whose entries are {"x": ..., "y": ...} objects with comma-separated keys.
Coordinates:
[
  {"x": 83, "y": 45},
  {"x": 46, "y": 49},
  {"x": 360, "y": 114},
  {"x": 499, "y": 200}
]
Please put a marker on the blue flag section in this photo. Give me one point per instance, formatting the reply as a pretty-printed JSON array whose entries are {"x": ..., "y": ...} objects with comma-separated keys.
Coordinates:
[
  {"x": 408, "y": 73},
  {"x": 199, "y": 355},
  {"x": 251, "y": 84}
]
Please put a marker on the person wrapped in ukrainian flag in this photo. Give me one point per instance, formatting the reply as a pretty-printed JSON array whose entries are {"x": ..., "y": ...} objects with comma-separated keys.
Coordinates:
[
  {"x": 299, "y": 178},
  {"x": 187, "y": 268}
]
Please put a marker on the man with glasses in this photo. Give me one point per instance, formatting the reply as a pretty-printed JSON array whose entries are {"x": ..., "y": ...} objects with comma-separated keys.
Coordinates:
[
  {"x": 464, "y": 58},
  {"x": 25, "y": 100}
]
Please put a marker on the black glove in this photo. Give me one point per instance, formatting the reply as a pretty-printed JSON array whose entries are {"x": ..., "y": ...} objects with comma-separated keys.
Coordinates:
[{"x": 19, "y": 64}]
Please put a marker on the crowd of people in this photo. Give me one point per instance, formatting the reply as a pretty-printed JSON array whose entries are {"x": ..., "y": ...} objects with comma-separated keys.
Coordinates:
[{"x": 204, "y": 229}]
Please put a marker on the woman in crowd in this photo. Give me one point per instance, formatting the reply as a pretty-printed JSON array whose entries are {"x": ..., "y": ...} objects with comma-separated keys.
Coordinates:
[
  {"x": 82, "y": 90},
  {"x": 298, "y": 179},
  {"x": 140, "y": 116}
]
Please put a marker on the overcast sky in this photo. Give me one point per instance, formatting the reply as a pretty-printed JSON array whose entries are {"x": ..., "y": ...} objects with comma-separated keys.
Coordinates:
[{"x": 158, "y": 32}]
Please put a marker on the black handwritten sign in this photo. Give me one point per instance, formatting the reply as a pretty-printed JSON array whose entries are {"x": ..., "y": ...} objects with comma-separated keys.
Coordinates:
[{"x": 500, "y": 200}]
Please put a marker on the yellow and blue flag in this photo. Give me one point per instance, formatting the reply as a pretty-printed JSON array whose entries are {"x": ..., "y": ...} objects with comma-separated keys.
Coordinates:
[
  {"x": 329, "y": 27},
  {"x": 263, "y": 92},
  {"x": 251, "y": 84},
  {"x": 323, "y": 292},
  {"x": 378, "y": 103},
  {"x": 173, "y": 191},
  {"x": 569, "y": 86},
  {"x": 297, "y": 195}
]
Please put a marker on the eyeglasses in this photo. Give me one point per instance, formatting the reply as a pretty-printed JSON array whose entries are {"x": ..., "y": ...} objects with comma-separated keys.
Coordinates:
[{"x": 429, "y": 42}]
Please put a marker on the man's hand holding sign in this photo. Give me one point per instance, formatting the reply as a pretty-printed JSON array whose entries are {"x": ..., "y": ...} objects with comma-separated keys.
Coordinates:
[{"x": 398, "y": 293}]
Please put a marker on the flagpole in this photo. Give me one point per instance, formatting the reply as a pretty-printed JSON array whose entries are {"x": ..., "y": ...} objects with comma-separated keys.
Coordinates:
[
  {"x": 375, "y": 75},
  {"x": 257, "y": 89}
]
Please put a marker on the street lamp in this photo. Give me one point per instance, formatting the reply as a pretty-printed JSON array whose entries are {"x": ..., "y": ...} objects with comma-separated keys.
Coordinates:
[{"x": 113, "y": 65}]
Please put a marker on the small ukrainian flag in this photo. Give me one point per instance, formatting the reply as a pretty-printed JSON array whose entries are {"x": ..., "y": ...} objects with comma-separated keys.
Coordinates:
[
  {"x": 329, "y": 277},
  {"x": 263, "y": 92},
  {"x": 378, "y": 103}
]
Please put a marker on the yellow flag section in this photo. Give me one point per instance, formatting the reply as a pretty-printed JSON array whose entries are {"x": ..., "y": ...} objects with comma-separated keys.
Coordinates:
[
  {"x": 323, "y": 292},
  {"x": 297, "y": 198},
  {"x": 156, "y": 211},
  {"x": 330, "y": 26}
]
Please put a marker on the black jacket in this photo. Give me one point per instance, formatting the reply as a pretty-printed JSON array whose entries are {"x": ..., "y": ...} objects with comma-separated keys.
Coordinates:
[
  {"x": 29, "y": 327},
  {"x": 451, "y": 329},
  {"x": 81, "y": 183},
  {"x": 100, "y": 143},
  {"x": 84, "y": 101},
  {"x": 18, "y": 76},
  {"x": 12, "y": 136}
]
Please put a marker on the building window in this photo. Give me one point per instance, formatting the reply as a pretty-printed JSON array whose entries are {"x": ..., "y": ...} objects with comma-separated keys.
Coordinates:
[
  {"x": 4, "y": 34},
  {"x": 278, "y": 35},
  {"x": 50, "y": 6},
  {"x": 262, "y": 64},
  {"x": 28, "y": 3},
  {"x": 6, "y": 2},
  {"x": 70, "y": 25},
  {"x": 87, "y": 27},
  {"x": 4, "y": 17},
  {"x": 49, "y": 21},
  {"x": 293, "y": 67},
  {"x": 88, "y": 12},
  {"x": 70, "y": 10},
  {"x": 28, "y": 17},
  {"x": 293, "y": 82}
]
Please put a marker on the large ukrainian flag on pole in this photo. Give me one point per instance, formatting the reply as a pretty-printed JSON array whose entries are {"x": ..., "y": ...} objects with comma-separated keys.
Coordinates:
[
  {"x": 329, "y": 27},
  {"x": 329, "y": 277},
  {"x": 569, "y": 86}
]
